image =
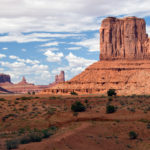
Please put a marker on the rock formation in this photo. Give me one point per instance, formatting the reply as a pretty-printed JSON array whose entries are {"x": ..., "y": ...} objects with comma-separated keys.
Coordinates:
[
  {"x": 123, "y": 39},
  {"x": 23, "y": 86},
  {"x": 60, "y": 77},
  {"x": 23, "y": 81},
  {"x": 4, "y": 78},
  {"x": 125, "y": 44}
]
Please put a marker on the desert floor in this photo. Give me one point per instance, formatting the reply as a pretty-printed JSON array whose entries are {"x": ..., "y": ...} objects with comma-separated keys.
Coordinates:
[{"x": 93, "y": 129}]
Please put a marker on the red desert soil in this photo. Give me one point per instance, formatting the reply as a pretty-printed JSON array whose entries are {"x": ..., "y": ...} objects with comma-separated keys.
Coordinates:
[{"x": 89, "y": 130}]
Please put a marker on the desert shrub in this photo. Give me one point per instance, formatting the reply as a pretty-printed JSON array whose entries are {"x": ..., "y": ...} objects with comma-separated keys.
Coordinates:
[
  {"x": 75, "y": 114},
  {"x": 111, "y": 92},
  {"x": 36, "y": 136},
  {"x": 46, "y": 133},
  {"x": 53, "y": 128},
  {"x": 110, "y": 109},
  {"x": 12, "y": 144},
  {"x": 51, "y": 111},
  {"x": 86, "y": 101},
  {"x": 7, "y": 116},
  {"x": 33, "y": 93},
  {"x": 73, "y": 93},
  {"x": 2, "y": 99},
  {"x": 26, "y": 98},
  {"x": 21, "y": 131},
  {"x": 25, "y": 139},
  {"x": 78, "y": 107},
  {"x": 133, "y": 135},
  {"x": 110, "y": 99},
  {"x": 148, "y": 125}
]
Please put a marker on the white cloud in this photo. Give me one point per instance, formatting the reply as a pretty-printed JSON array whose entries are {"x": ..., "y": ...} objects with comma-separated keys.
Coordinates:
[
  {"x": 75, "y": 65},
  {"x": 75, "y": 61},
  {"x": 18, "y": 69},
  {"x": 63, "y": 16},
  {"x": 148, "y": 30},
  {"x": 50, "y": 44},
  {"x": 23, "y": 49},
  {"x": 92, "y": 43},
  {"x": 53, "y": 57},
  {"x": 74, "y": 48},
  {"x": 28, "y": 61},
  {"x": 4, "y": 48},
  {"x": 2, "y": 56},
  {"x": 34, "y": 37}
]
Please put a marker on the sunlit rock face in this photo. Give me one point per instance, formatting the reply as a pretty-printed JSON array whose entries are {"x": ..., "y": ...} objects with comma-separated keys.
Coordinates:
[{"x": 123, "y": 39}]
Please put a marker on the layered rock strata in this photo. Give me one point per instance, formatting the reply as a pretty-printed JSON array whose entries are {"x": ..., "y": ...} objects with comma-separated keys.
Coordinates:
[{"x": 127, "y": 77}]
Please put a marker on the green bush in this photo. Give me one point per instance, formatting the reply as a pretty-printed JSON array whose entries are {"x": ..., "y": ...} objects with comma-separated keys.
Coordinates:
[
  {"x": 78, "y": 107},
  {"x": 12, "y": 144},
  {"x": 111, "y": 92},
  {"x": 148, "y": 125},
  {"x": 133, "y": 135},
  {"x": 25, "y": 139},
  {"x": 110, "y": 109},
  {"x": 36, "y": 137},
  {"x": 2, "y": 99},
  {"x": 46, "y": 133},
  {"x": 73, "y": 93}
]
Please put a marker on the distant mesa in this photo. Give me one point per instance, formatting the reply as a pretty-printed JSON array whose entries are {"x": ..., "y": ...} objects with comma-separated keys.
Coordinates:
[
  {"x": 4, "y": 78},
  {"x": 6, "y": 86},
  {"x": 124, "y": 61}
]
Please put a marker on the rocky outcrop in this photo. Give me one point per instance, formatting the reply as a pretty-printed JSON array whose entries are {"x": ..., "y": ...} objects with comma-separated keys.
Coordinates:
[
  {"x": 123, "y": 39},
  {"x": 125, "y": 44},
  {"x": 4, "y": 78},
  {"x": 24, "y": 82},
  {"x": 60, "y": 77}
]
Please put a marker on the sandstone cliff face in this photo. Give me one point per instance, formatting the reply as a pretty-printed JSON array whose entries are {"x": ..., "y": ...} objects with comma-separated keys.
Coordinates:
[
  {"x": 123, "y": 39},
  {"x": 4, "y": 78}
]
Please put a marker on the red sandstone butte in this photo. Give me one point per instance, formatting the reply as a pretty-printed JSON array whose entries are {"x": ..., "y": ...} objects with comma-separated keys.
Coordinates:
[
  {"x": 124, "y": 61},
  {"x": 123, "y": 39}
]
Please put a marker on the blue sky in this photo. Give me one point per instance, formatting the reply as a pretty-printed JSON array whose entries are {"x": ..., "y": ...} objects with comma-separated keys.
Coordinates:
[{"x": 38, "y": 38}]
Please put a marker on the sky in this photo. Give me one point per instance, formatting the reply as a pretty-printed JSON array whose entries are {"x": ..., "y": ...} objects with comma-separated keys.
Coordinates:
[{"x": 39, "y": 38}]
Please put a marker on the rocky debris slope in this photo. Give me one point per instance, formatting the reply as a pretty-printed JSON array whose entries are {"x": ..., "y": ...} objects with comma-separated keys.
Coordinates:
[
  {"x": 124, "y": 61},
  {"x": 127, "y": 77}
]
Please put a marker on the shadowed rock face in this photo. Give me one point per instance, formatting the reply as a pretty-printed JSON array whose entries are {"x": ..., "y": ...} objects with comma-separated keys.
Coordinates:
[
  {"x": 123, "y": 39},
  {"x": 4, "y": 78}
]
